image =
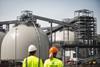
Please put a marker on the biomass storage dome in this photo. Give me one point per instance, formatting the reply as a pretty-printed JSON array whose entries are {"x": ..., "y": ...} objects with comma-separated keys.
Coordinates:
[{"x": 15, "y": 43}]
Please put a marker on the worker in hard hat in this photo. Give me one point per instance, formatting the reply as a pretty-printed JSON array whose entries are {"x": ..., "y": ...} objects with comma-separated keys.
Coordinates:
[
  {"x": 32, "y": 60},
  {"x": 53, "y": 61}
]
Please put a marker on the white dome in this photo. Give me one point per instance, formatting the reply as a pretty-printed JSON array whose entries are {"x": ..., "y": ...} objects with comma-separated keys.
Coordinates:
[{"x": 16, "y": 42}]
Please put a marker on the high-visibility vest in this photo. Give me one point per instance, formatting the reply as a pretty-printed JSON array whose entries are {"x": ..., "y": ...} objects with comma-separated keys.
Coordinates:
[
  {"x": 54, "y": 62},
  {"x": 32, "y": 61}
]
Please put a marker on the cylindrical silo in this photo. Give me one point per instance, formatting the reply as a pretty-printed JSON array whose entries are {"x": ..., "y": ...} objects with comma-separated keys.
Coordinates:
[
  {"x": 17, "y": 40},
  {"x": 66, "y": 36}
]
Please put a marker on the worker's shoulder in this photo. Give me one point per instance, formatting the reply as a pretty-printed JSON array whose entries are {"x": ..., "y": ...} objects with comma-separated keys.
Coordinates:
[
  {"x": 47, "y": 60},
  {"x": 54, "y": 59},
  {"x": 57, "y": 59},
  {"x": 33, "y": 57}
]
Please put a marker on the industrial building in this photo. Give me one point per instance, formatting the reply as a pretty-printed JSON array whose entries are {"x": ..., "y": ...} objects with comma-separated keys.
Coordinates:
[{"x": 76, "y": 38}]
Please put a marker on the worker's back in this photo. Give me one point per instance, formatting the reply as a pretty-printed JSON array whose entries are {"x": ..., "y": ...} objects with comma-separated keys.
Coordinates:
[
  {"x": 32, "y": 61},
  {"x": 53, "y": 62}
]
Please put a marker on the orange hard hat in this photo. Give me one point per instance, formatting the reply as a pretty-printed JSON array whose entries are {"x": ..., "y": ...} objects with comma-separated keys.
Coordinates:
[{"x": 53, "y": 50}]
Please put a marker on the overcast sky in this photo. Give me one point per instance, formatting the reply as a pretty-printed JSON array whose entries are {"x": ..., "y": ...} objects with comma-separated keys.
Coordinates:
[{"x": 56, "y": 9}]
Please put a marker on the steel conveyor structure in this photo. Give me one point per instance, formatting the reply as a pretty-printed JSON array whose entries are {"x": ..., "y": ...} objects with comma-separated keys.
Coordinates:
[{"x": 61, "y": 23}]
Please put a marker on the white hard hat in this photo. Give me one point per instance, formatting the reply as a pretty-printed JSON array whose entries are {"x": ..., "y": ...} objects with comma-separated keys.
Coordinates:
[{"x": 32, "y": 48}]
